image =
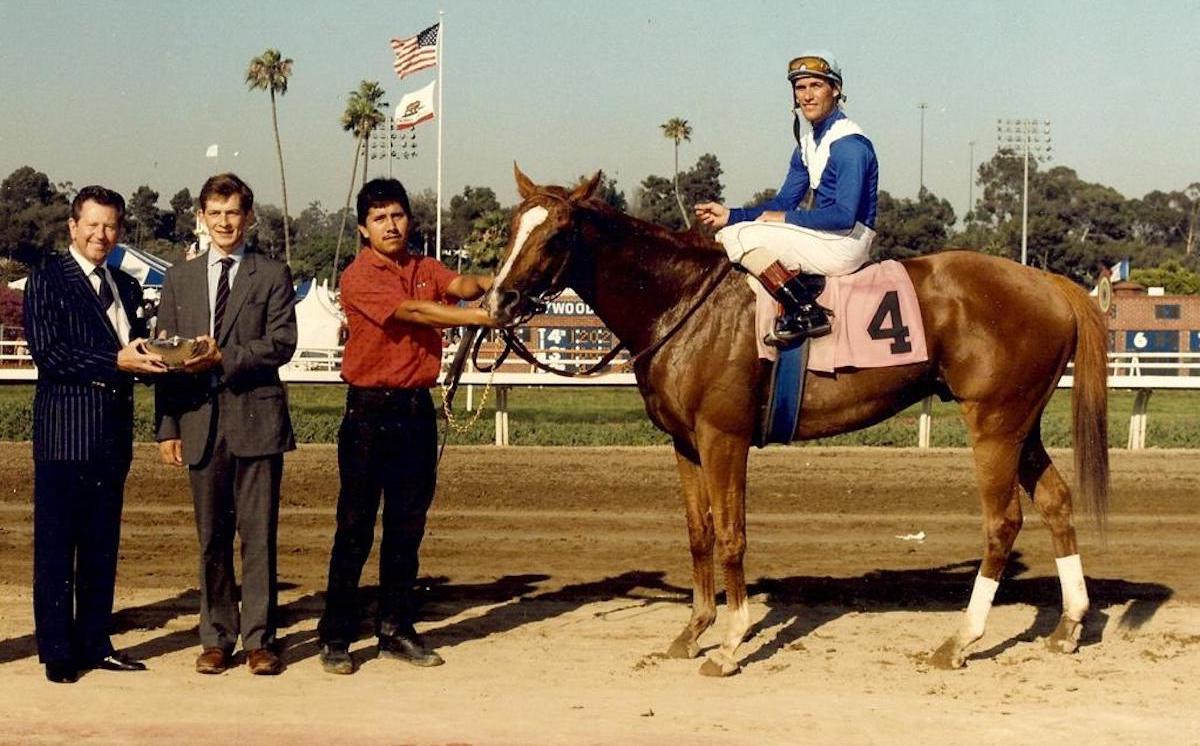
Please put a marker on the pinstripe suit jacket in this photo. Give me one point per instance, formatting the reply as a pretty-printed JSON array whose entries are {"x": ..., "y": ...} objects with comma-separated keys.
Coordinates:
[{"x": 83, "y": 406}]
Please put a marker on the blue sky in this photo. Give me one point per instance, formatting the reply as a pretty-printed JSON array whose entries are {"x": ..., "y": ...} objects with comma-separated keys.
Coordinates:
[{"x": 130, "y": 93}]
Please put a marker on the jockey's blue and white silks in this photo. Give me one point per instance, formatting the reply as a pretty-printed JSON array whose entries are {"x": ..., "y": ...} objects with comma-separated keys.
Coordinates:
[
  {"x": 846, "y": 181},
  {"x": 834, "y": 237}
]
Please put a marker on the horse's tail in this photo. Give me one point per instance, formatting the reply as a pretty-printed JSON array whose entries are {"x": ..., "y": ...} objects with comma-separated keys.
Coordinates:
[{"x": 1089, "y": 400}]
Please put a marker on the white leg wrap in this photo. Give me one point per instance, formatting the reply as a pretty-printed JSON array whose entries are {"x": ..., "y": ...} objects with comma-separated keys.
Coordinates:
[
  {"x": 739, "y": 624},
  {"x": 1074, "y": 590},
  {"x": 982, "y": 595}
]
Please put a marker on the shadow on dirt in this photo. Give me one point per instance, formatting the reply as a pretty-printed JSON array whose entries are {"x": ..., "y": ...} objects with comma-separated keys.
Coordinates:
[
  {"x": 944, "y": 588},
  {"x": 797, "y": 606}
]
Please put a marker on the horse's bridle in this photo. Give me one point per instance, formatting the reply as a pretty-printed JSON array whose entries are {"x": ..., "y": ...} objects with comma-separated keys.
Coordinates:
[
  {"x": 539, "y": 304},
  {"x": 513, "y": 342}
]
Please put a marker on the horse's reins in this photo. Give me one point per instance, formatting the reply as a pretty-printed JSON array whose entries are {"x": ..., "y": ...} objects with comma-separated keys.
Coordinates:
[{"x": 513, "y": 342}]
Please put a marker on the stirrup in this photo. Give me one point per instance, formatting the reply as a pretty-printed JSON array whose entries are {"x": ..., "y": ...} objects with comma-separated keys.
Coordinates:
[{"x": 793, "y": 328}]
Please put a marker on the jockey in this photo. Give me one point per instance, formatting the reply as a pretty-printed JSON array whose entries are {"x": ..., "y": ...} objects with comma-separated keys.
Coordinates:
[{"x": 822, "y": 220}]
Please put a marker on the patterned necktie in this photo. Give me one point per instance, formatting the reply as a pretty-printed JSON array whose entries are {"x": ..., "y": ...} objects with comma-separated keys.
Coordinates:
[
  {"x": 106, "y": 295},
  {"x": 222, "y": 296}
]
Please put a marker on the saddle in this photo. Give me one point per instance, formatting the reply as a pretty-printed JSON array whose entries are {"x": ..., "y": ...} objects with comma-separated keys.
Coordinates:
[{"x": 876, "y": 323}]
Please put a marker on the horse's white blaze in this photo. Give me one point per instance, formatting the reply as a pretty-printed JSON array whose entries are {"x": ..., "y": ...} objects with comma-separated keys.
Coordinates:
[
  {"x": 982, "y": 595},
  {"x": 1074, "y": 589},
  {"x": 530, "y": 219}
]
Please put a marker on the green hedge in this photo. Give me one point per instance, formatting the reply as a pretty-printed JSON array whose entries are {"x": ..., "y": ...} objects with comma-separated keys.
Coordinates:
[{"x": 616, "y": 416}]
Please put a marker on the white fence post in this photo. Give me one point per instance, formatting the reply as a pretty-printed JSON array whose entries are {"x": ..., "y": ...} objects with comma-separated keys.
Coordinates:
[{"x": 925, "y": 422}]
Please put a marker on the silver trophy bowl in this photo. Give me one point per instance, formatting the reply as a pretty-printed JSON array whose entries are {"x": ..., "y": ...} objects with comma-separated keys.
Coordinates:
[{"x": 174, "y": 350}]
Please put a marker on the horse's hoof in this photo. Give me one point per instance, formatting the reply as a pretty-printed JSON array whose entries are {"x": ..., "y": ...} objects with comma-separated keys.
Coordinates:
[
  {"x": 949, "y": 656},
  {"x": 719, "y": 664},
  {"x": 1065, "y": 637},
  {"x": 683, "y": 647}
]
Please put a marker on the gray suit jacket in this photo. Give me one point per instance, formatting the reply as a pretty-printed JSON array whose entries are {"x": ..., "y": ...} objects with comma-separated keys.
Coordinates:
[{"x": 259, "y": 336}]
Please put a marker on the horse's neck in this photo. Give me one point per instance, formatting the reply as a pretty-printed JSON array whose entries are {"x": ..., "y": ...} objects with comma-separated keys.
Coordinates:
[{"x": 640, "y": 279}]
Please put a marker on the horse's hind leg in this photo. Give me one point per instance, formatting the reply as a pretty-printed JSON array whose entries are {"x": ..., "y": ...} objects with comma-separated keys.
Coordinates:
[
  {"x": 1052, "y": 498},
  {"x": 996, "y": 473},
  {"x": 701, "y": 539}
]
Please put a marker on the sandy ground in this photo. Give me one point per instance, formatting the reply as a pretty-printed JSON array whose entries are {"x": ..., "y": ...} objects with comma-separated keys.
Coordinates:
[{"x": 553, "y": 577}]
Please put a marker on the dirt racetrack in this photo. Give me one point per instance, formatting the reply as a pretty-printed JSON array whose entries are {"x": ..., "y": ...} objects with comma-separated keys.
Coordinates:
[{"x": 554, "y": 576}]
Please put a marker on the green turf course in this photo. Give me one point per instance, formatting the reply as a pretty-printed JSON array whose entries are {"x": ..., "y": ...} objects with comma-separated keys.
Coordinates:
[{"x": 615, "y": 416}]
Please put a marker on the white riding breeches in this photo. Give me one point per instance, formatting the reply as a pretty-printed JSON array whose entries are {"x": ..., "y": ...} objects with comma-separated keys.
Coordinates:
[{"x": 756, "y": 246}]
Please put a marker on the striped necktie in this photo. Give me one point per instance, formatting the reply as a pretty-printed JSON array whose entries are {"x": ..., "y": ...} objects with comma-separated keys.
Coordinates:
[
  {"x": 105, "y": 292},
  {"x": 222, "y": 296}
]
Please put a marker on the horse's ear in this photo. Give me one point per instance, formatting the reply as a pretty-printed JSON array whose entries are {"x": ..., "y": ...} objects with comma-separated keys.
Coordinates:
[
  {"x": 587, "y": 188},
  {"x": 525, "y": 187}
]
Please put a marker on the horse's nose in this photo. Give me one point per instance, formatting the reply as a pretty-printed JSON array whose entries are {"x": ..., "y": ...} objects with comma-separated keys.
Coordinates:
[{"x": 503, "y": 304}]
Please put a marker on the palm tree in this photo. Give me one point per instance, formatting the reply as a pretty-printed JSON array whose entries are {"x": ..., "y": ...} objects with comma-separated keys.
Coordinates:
[
  {"x": 270, "y": 72},
  {"x": 363, "y": 113},
  {"x": 678, "y": 129}
]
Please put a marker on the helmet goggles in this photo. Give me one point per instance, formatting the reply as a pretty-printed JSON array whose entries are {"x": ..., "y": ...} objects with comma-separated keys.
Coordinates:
[{"x": 812, "y": 65}]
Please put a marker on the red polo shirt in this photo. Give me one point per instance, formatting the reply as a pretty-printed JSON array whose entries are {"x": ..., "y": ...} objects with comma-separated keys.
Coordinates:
[{"x": 383, "y": 352}]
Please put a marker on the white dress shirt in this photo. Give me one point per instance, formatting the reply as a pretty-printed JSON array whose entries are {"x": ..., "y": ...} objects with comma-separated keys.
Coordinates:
[{"x": 116, "y": 312}]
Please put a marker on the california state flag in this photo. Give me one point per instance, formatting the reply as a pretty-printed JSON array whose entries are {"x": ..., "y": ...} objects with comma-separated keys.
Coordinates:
[{"x": 415, "y": 107}]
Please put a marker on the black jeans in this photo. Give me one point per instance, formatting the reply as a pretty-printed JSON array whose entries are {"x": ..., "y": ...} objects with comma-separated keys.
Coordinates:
[{"x": 387, "y": 444}]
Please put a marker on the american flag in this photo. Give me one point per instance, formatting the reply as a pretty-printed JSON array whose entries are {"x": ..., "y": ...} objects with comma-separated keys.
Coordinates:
[{"x": 416, "y": 52}]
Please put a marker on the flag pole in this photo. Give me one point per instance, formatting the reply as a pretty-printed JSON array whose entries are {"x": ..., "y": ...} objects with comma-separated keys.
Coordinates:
[{"x": 440, "y": 116}]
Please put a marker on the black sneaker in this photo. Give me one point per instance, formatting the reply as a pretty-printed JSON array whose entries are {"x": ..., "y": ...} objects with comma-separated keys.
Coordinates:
[
  {"x": 336, "y": 659},
  {"x": 410, "y": 649}
]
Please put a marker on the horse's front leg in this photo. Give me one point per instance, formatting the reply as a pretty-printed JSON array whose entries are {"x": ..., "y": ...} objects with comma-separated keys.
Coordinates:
[
  {"x": 700, "y": 537},
  {"x": 723, "y": 466}
]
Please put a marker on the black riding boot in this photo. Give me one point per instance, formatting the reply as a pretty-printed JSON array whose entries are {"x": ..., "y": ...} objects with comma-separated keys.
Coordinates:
[{"x": 802, "y": 317}]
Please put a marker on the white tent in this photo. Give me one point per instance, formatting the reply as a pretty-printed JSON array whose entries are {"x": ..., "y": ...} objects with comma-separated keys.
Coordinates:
[{"x": 319, "y": 318}]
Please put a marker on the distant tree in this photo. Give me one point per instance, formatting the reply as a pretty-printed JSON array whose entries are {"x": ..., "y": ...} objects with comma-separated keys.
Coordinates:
[
  {"x": 763, "y": 197},
  {"x": 908, "y": 227},
  {"x": 33, "y": 216},
  {"x": 144, "y": 220},
  {"x": 362, "y": 114},
  {"x": 702, "y": 182},
  {"x": 678, "y": 130},
  {"x": 270, "y": 72},
  {"x": 486, "y": 242},
  {"x": 183, "y": 212},
  {"x": 1171, "y": 275},
  {"x": 465, "y": 209},
  {"x": 269, "y": 230},
  {"x": 655, "y": 199},
  {"x": 422, "y": 235},
  {"x": 315, "y": 234}
]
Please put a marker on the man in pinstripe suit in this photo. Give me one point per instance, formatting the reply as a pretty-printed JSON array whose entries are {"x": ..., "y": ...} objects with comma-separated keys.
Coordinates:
[
  {"x": 226, "y": 417},
  {"x": 86, "y": 335}
]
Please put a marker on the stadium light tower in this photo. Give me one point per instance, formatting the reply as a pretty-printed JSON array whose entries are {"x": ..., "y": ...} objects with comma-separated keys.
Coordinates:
[
  {"x": 1025, "y": 139},
  {"x": 387, "y": 143}
]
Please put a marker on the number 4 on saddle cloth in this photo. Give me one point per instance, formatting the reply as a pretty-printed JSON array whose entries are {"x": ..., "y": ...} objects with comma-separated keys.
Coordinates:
[{"x": 876, "y": 323}]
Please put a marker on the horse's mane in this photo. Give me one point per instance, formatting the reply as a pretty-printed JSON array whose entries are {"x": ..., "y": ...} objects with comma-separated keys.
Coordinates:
[{"x": 690, "y": 240}]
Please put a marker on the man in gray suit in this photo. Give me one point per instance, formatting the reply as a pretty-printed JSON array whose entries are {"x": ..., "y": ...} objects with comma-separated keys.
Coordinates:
[{"x": 225, "y": 415}]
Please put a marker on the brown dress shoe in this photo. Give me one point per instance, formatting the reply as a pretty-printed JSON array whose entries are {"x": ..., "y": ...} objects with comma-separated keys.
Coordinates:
[
  {"x": 264, "y": 662},
  {"x": 212, "y": 660}
]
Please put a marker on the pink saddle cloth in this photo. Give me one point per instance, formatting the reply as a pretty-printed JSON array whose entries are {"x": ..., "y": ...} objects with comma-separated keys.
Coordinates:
[{"x": 876, "y": 321}]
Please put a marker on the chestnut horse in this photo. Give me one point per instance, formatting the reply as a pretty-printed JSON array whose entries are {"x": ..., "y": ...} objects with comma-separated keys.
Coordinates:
[{"x": 999, "y": 336}]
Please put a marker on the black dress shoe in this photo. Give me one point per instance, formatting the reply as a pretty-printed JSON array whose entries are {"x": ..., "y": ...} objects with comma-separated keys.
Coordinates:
[
  {"x": 118, "y": 662},
  {"x": 410, "y": 649},
  {"x": 336, "y": 659},
  {"x": 61, "y": 673}
]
